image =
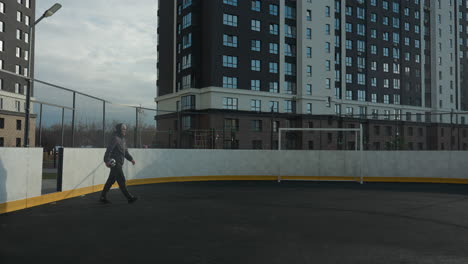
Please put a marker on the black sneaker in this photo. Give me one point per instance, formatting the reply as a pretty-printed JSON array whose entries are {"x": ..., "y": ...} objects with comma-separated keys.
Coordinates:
[
  {"x": 104, "y": 200},
  {"x": 132, "y": 200}
]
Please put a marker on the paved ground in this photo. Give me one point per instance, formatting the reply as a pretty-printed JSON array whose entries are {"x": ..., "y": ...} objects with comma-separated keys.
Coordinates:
[{"x": 247, "y": 222}]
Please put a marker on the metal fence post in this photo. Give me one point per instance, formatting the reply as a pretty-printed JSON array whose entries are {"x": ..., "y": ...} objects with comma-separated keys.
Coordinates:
[
  {"x": 27, "y": 116},
  {"x": 104, "y": 124},
  {"x": 73, "y": 121},
  {"x": 135, "y": 136},
  {"x": 40, "y": 125},
  {"x": 60, "y": 170},
  {"x": 63, "y": 117}
]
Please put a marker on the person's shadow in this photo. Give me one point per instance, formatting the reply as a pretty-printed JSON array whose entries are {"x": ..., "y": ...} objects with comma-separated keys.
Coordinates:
[{"x": 3, "y": 190}]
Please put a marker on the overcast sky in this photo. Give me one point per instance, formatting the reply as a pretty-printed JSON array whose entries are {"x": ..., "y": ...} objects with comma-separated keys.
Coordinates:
[{"x": 106, "y": 48}]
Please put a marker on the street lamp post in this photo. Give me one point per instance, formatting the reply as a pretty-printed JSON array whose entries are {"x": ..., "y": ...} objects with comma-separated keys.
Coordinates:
[{"x": 47, "y": 13}]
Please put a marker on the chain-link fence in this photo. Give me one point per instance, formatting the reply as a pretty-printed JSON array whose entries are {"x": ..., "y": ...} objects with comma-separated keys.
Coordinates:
[
  {"x": 64, "y": 117},
  {"x": 69, "y": 118}
]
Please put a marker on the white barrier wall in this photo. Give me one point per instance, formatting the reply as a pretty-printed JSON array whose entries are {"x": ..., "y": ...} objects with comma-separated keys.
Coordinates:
[
  {"x": 20, "y": 173},
  {"x": 85, "y": 167}
]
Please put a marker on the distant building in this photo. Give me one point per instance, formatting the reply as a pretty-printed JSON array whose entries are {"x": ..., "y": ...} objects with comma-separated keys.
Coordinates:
[
  {"x": 246, "y": 68},
  {"x": 16, "y": 16}
]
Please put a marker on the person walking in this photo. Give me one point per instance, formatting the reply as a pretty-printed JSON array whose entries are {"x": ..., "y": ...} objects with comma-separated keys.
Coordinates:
[{"x": 118, "y": 152}]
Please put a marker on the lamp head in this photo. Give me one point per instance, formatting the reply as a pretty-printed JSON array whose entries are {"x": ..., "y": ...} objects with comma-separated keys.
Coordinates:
[{"x": 52, "y": 10}]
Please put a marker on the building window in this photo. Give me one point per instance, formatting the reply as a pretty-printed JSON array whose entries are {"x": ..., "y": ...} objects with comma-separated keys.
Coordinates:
[
  {"x": 18, "y": 142},
  {"x": 309, "y": 71},
  {"x": 387, "y": 114},
  {"x": 386, "y": 99},
  {"x": 309, "y": 33},
  {"x": 187, "y": 81},
  {"x": 2, "y": 123},
  {"x": 273, "y": 48},
  {"x": 289, "y": 50},
  {"x": 255, "y": 105},
  {"x": 230, "y": 20},
  {"x": 361, "y": 95},
  {"x": 188, "y": 102},
  {"x": 290, "y": 12},
  {"x": 230, "y": 2},
  {"x": 289, "y": 31},
  {"x": 229, "y": 82},
  {"x": 375, "y": 113},
  {"x": 273, "y": 67},
  {"x": 18, "y": 124},
  {"x": 361, "y": 78},
  {"x": 255, "y": 85},
  {"x": 255, "y": 25},
  {"x": 186, "y": 122},
  {"x": 187, "y": 41},
  {"x": 256, "y": 125},
  {"x": 309, "y": 108},
  {"x": 229, "y": 61},
  {"x": 255, "y": 45},
  {"x": 256, "y": 5},
  {"x": 338, "y": 109},
  {"x": 273, "y": 106},
  {"x": 231, "y": 124},
  {"x": 308, "y": 89},
  {"x": 230, "y": 40},
  {"x": 273, "y": 10},
  {"x": 187, "y": 21},
  {"x": 230, "y": 103},
  {"x": 289, "y": 106},
  {"x": 290, "y": 69},
  {"x": 289, "y": 87},
  {"x": 309, "y": 52},
  {"x": 274, "y": 29},
  {"x": 349, "y": 78},
  {"x": 273, "y": 87},
  {"x": 255, "y": 65},
  {"x": 187, "y": 61}
]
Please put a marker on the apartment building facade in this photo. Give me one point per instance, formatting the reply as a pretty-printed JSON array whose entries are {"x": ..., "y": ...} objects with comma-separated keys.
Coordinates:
[
  {"x": 254, "y": 66},
  {"x": 16, "y": 16}
]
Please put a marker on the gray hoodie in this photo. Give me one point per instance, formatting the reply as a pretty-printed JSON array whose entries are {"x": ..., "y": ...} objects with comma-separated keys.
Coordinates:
[{"x": 117, "y": 149}]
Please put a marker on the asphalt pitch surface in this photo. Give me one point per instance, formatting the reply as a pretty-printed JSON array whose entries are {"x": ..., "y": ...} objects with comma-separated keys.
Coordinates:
[{"x": 247, "y": 222}]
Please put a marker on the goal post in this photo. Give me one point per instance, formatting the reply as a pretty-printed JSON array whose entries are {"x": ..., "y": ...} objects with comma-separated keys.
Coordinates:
[{"x": 359, "y": 131}]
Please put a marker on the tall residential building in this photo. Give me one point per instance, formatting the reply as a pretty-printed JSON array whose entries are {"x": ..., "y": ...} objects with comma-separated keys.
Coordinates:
[
  {"x": 229, "y": 64},
  {"x": 16, "y": 16}
]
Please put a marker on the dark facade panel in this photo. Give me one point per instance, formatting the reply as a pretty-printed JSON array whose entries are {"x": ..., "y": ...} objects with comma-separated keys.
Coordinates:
[
  {"x": 10, "y": 42},
  {"x": 166, "y": 47}
]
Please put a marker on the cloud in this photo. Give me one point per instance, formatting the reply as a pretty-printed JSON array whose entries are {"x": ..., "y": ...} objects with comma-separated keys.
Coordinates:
[{"x": 100, "y": 47}]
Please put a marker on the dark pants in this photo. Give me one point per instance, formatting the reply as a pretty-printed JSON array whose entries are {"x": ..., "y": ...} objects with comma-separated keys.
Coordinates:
[{"x": 116, "y": 174}]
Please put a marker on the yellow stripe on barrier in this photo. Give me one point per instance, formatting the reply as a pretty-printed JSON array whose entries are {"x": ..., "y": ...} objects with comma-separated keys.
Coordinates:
[
  {"x": 53, "y": 197},
  {"x": 200, "y": 178}
]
